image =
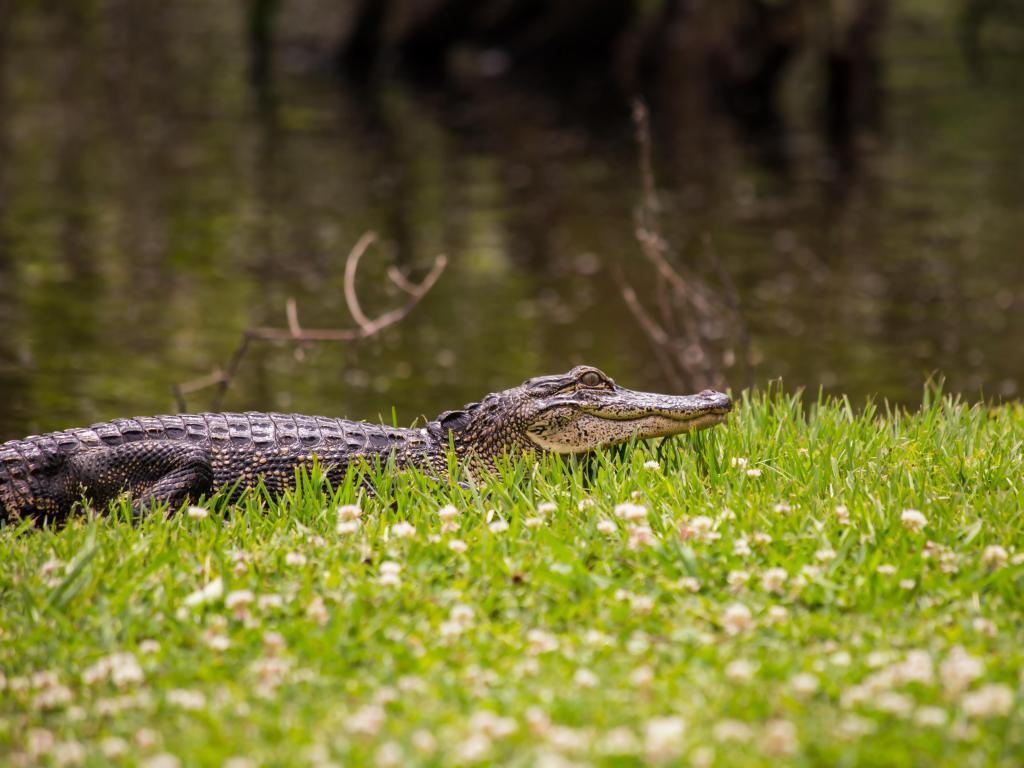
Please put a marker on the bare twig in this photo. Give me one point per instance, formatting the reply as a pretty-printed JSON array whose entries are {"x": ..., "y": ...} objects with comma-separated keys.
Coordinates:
[
  {"x": 351, "y": 265},
  {"x": 294, "y": 333},
  {"x": 693, "y": 317}
]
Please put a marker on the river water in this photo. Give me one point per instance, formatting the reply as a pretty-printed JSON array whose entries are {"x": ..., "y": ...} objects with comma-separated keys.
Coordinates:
[{"x": 153, "y": 206}]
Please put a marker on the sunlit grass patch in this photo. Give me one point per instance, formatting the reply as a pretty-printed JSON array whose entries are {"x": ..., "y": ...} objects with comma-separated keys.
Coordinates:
[{"x": 816, "y": 586}]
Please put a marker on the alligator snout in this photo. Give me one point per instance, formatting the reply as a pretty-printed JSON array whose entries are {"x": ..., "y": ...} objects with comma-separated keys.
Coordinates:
[{"x": 718, "y": 401}]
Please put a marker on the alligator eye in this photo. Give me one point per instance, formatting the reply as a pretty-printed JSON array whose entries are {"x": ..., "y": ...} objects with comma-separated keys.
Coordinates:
[{"x": 591, "y": 379}]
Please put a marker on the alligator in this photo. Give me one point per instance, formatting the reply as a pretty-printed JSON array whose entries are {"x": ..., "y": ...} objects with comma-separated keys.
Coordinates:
[{"x": 176, "y": 460}]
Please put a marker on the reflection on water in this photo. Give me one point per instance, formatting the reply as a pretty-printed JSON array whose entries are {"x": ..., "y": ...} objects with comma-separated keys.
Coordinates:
[{"x": 152, "y": 207}]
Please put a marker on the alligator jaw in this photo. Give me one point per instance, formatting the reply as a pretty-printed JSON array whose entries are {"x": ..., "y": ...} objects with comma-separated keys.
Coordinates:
[
  {"x": 583, "y": 421},
  {"x": 654, "y": 415}
]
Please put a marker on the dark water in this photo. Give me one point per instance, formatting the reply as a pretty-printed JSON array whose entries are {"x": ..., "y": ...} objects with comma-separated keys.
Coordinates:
[{"x": 153, "y": 206}]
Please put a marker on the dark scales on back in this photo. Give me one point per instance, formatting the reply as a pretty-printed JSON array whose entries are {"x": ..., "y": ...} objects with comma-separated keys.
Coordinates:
[{"x": 177, "y": 459}]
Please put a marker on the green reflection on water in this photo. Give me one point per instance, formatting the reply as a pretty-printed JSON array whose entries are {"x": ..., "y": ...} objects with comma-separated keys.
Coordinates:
[{"x": 151, "y": 209}]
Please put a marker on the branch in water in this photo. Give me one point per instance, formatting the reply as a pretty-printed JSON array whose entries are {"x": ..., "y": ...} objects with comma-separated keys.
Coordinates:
[{"x": 294, "y": 333}]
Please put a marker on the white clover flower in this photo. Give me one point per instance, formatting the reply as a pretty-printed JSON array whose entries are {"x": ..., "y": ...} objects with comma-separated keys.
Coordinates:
[
  {"x": 762, "y": 538},
  {"x": 753, "y": 472},
  {"x": 492, "y": 725},
  {"x": 779, "y": 738},
  {"x": 782, "y": 508},
  {"x": 540, "y": 642},
  {"x": 700, "y": 528},
  {"x": 498, "y": 526},
  {"x": 854, "y": 727},
  {"x": 597, "y": 638},
  {"x": 186, "y": 699},
  {"x": 641, "y": 603},
  {"x": 738, "y": 461},
  {"x": 423, "y": 741},
  {"x": 474, "y": 749},
  {"x": 458, "y": 546},
  {"x": 663, "y": 737},
  {"x": 740, "y": 670},
  {"x": 449, "y": 526},
  {"x": 388, "y": 755},
  {"x": 39, "y": 742},
  {"x": 607, "y": 527},
  {"x": 651, "y": 465},
  {"x": 584, "y": 504},
  {"x": 931, "y": 717},
  {"x": 993, "y": 700},
  {"x": 161, "y": 760},
  {"x": 584, "y": 678},
  {"x": 810, "y": 572},
  {"x": 641, "y": 677},
  {"x": 122, "y": 669},
  {"x": 907, "y": 584},
  {"x": 269, "y": 601},
  {"x": 238, "y": 599},
  {"x": 958, "y": 670},
  {"x": 197, "y": 513},
  {"x": 688, "y": 584},
  {"x": 736, "y": 618},
  {"x": 994, "y": 556},
  {"x": 447, "y": 512},
  {"x": 985, "y": 626},
  {"x": 886, "y": 569},
  {"x": 777, "y": 614},
  {"x": 547, "y": 508},
  {"x": 913, "y": 520},
  {"x": 146, "y": 738},
  {"x": 533, "y": 522},
  {"x": 842, "y": 514},
  {"x": 618, "y": 741},
  {"x": 629, "y": 511},
  {"x": 731, "y": 730},
  {"x": 840, "y": 659},
  {"x": 216, "y": 641},
  {"x": 389, "y": 579},
  {"x": 316, "y": 611},
  {"x": 461, "y": 614},
  {"x": 403, "y": 530},
  {"x": 774, "y": 579},
  {"x": 114, "y": 747},
  {"x": 208, "y": 594},
  {"x": 893, "y": 703},
  {"x": 804, "y": 684},
  {"x": 917, "y": 667},
  {"x": 825, "y": 555},
  {"x": 52, "y": 697},
  {"x": 741, "y": 548},
  {"x": 640, "y": 536},
  {"x": 346, "y": 527},
  {"x": 366, "y": 721},
  {"x": 737, "y": 580},
  {"x": 349, "y": 512},
  {"x": 295, "y": 558}
]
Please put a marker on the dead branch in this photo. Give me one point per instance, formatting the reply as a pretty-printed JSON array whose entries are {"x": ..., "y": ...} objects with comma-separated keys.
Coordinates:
[
  {"x": 693, "y": 319},
  {"x": 294, "y": 333}
]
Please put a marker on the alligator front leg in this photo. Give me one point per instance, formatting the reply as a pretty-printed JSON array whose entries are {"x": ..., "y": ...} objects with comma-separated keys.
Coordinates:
[{"x": 152, "y": 472}]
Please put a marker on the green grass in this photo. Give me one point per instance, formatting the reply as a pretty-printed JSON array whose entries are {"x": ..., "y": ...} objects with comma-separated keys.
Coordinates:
[{"x": 554, "y": 644}]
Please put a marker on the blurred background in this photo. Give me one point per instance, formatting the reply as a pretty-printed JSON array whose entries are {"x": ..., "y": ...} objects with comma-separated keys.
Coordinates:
[{"x": 835, "y": 198}]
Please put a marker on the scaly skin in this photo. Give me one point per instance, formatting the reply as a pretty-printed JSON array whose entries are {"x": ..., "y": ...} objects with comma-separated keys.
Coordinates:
[{"x": 176, "y": 459}]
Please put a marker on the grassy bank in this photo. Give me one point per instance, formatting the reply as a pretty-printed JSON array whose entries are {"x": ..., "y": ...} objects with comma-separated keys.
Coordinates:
[{"x": 806, "y": 587}]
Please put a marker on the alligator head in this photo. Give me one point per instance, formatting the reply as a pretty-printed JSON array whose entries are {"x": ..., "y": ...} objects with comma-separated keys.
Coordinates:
[{"x": 573, "y": 412}]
